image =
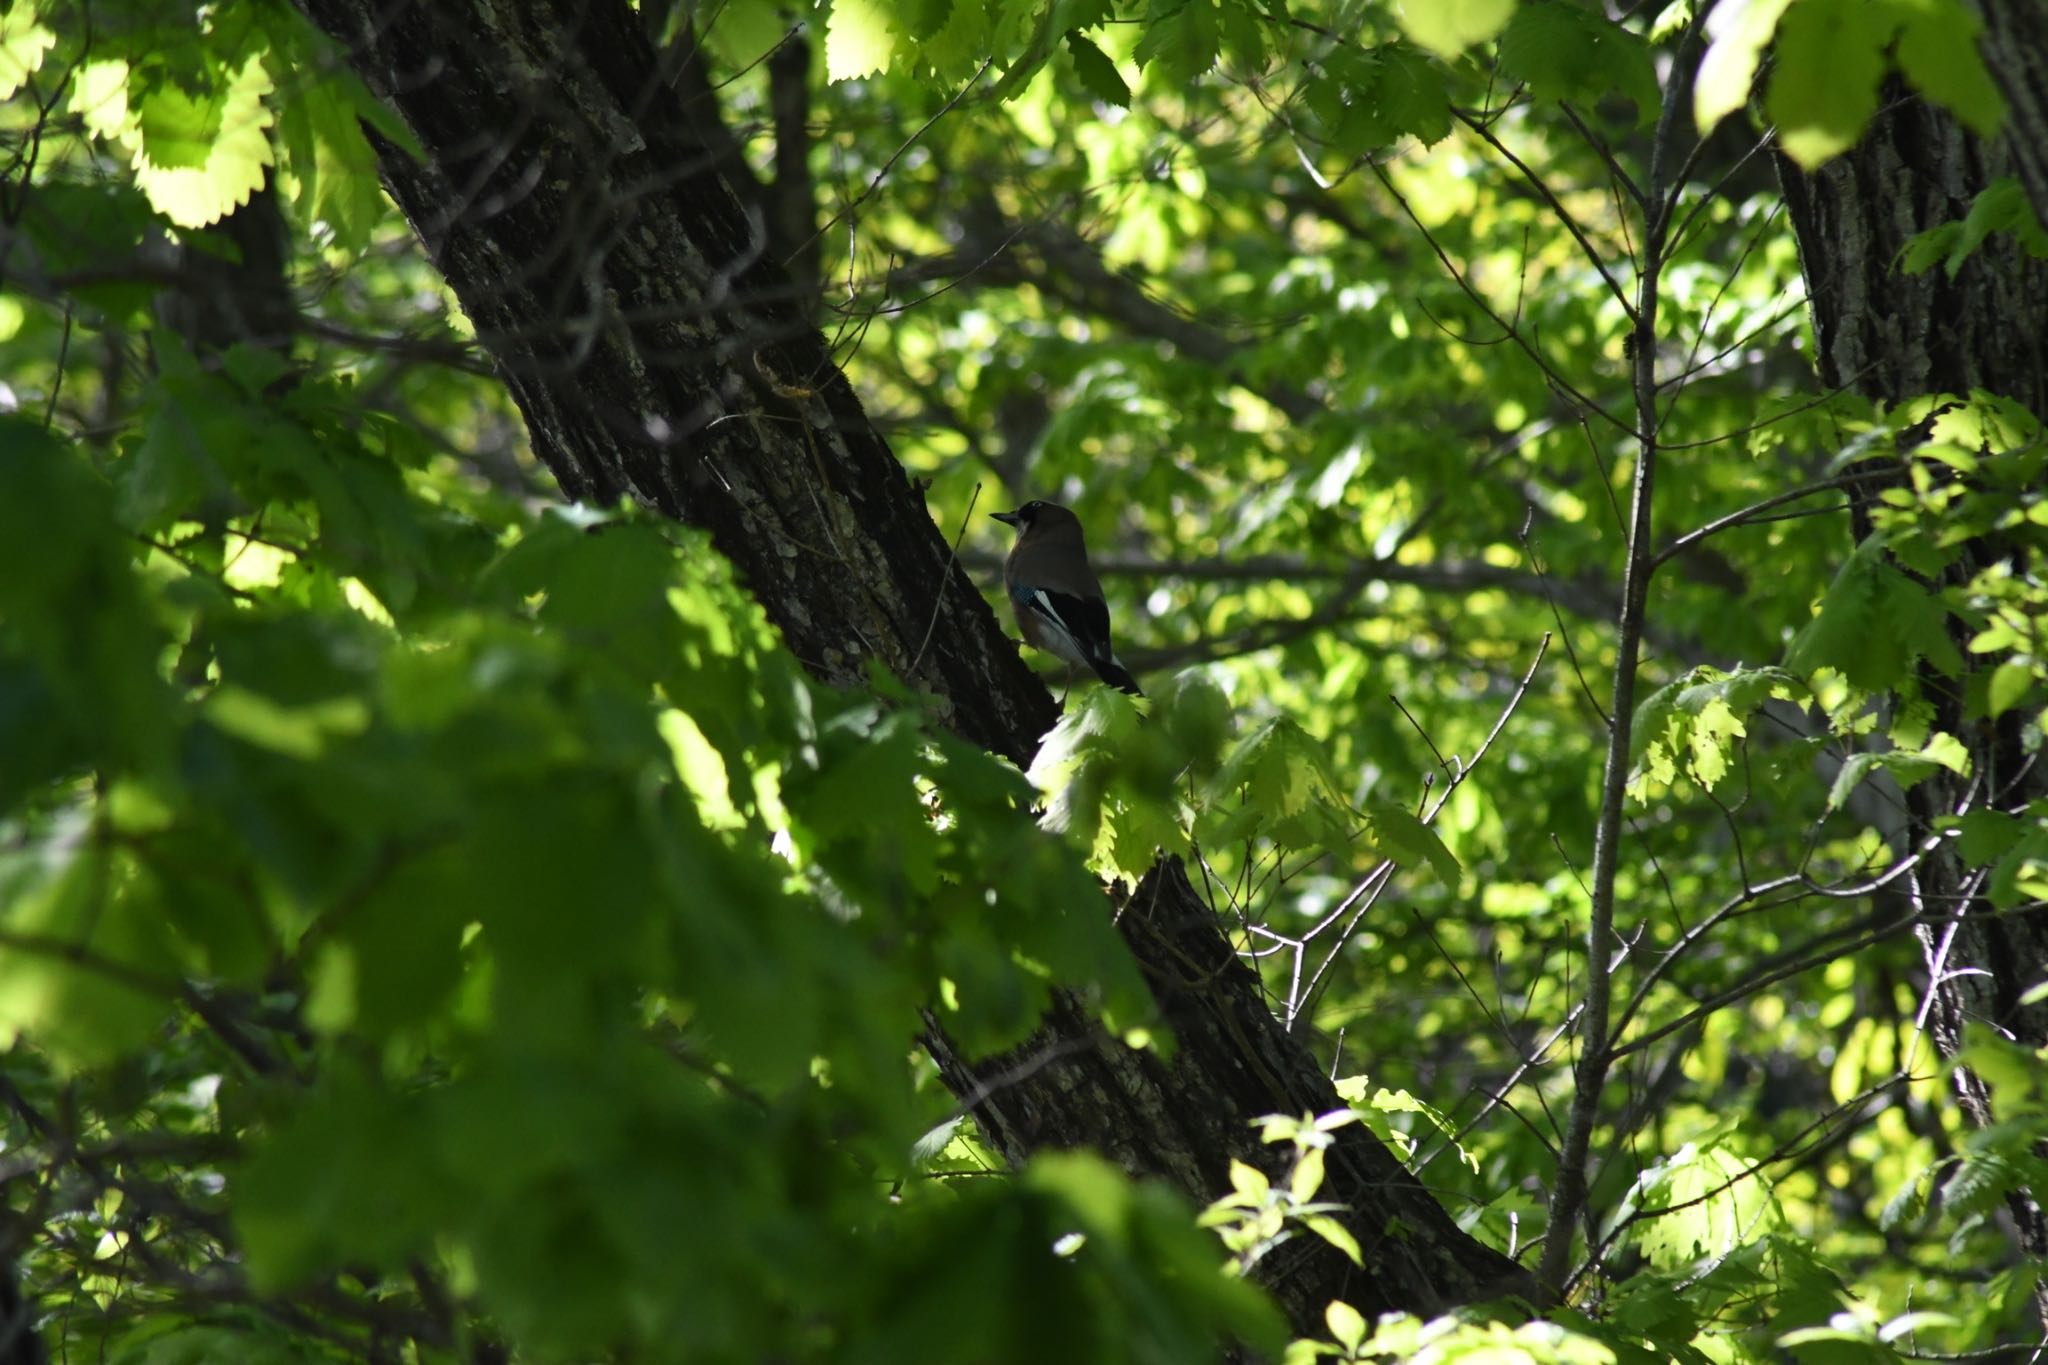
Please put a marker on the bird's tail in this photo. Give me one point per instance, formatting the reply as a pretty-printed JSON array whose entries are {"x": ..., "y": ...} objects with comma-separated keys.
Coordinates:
[{"x": 1113, "y": 672}]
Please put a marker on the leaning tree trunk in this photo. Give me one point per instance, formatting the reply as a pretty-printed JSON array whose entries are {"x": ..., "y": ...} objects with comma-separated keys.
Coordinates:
[
  {"x": 1891, "y": 336},
  {"x": 591, "y": 224}
]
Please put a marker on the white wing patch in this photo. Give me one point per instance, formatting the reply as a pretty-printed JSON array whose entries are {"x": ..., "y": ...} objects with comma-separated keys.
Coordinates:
[{"x": 1058, "y": 639}]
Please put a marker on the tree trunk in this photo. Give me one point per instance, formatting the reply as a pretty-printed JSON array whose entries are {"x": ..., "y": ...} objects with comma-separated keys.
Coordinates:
[
  {"x": 1891, "y": 336},
  {"x": 2015, "y": 37},
  {"x": 596, "y": 236}
]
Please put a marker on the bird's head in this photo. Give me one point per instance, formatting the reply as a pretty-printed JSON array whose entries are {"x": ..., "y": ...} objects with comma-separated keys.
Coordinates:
[{"x": 1041, "y": 516}]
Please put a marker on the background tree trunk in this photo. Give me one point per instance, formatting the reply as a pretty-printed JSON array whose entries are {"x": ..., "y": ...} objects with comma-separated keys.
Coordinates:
[
  {"x": 585, "y": 217},
  {"x": 1891, "y": 336}
]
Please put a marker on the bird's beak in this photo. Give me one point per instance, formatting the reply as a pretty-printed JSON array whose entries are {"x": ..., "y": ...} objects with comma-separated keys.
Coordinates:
[{"x": 1008, "y": 518}]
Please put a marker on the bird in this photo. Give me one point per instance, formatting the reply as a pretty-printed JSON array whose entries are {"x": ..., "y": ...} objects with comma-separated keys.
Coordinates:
[{"x": 1056, "y": 596}]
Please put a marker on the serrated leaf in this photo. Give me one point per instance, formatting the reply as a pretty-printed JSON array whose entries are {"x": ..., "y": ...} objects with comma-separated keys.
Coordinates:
[
  {"x": 332, "y": 162},
  {"x": 1873, "y": 625},
  {"x": 1979, "y": 1183},
  {"x": 178, "y": 128},
  {"x": 99, "y": 96},
  {"x": 1694, "y": 722},
  {"x": 1924, "y": 249},
  {"x": 23, "y": 44},
  {"x": 1910, "y": 1201},
  {"x": 1564, "y": 52},
  {"x": 1448, "y": 27},
  {"x": 1098, "y": 74},
  {"x": 204, "y": 185},
  {"x": 857, "y": 39},
  {"x": 1412, "y": 95},
  {"x": 1370, "y": 99},
  {"x": 1703, "y": 1201},
  {"x": 1180, "y": 46},
  {"x": 2007, "y": 1067},
  {"x": 1244, "y": 35},
  {"x": 1284, "y": 782},
  {"x": 922, "y": 20}
]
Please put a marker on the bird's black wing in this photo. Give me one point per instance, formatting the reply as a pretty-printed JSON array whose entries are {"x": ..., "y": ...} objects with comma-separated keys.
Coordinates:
[{"x": 1085, "y": 620}]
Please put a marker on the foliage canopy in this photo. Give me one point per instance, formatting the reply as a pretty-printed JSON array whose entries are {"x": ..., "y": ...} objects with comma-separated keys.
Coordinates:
[{"x": 439, "y": 921}]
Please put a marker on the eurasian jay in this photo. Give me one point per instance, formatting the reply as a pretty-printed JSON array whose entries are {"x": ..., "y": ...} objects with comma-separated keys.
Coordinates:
[{"x": 1055, "y": 594}]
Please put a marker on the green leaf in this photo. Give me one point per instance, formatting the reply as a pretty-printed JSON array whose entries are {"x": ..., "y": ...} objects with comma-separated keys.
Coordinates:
[
  {"x": 70, "y": 602},
  {"x": 1983, "y": 835},
  {"x": 1937, "y": 50},
  {"x": 1562, "y": 51},
  {"x": 1244, "y": 35},
  {"x": 2001, "y": 206},
  {"x": 923, "y": 20},
  {"x": 215, "y": 149},
  {"x": 1738, "y": 31},
  {"x": 23, "y": 44},
  {"x": 1180, "y": 46},
  {"x": 1371, "y": 99},
  {"x": 2021, "y": 875},
  {"x": 1196, "y": 714},
  {"x": 1146, "y": 1224},
  {"x": 1336, "y": 1234},
  {"x": 300, "y": 732},
  {"x": 332, "y": 162},
  {"x": 1412, "y": 95},
  {"x": 1692, "y": 724},
  {"x": 1398, "y": 833},
  {"x": 348, "y": 1177},
  {"x": 177, "y": 128},
  {"x": 857, "y": 39},
  {"x": 1346, "y": 1324},
  {"x": 1874, "y": 625},
  {"x": 1830, "y": 58},
  {"x": 2010, "y": 683},
  {"x": 1703, "y": 1201},
  {"x": 1448, "y": 27},
  {"x": 84, "y": 977},
  {"x": 1098, "y": 73},
  {"x": 1284, "y": 789},
  {"x": 1943, "y": 752}
]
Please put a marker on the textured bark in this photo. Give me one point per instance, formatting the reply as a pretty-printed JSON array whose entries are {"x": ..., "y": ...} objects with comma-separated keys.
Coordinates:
[
  {"x": 1185, "y": 1119},
  {"x": 626, "y": 290},
  {"x": 2015, "y": 37},
  {"x": 589, "y": 222},
  {"x": 1891, "y": 336}
]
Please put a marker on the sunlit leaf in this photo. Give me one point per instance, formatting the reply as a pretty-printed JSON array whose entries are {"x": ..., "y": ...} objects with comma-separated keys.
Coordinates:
[
  {"x": 1448, "y": 27},
  {"x": 857, "y": 39},
  {"x": 23, "y": 44}
]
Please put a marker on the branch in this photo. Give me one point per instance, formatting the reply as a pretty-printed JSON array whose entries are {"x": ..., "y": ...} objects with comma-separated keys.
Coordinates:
[{"x": 1568, "y": 1197}]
